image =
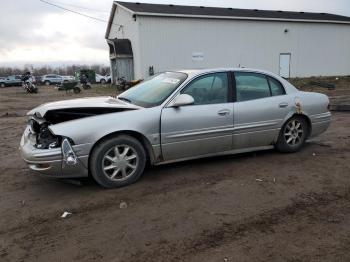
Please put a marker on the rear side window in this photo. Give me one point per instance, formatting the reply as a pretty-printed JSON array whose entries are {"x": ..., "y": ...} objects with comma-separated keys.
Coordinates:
[
  {"x": 276, "y": 87},
  {"x": 208, "y": 89},
  {"x": 250, "y": 86}
]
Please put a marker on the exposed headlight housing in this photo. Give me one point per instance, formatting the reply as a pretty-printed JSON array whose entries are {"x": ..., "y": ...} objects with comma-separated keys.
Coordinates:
[{"x": 69, "y": 156}]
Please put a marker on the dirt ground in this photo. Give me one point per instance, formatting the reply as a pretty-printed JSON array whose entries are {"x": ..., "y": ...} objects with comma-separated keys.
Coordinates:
[{"x": 261, "y": 206}]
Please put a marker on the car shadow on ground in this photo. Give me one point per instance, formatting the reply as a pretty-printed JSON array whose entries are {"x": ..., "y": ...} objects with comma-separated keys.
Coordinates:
[{"x": 174, "y": 171}]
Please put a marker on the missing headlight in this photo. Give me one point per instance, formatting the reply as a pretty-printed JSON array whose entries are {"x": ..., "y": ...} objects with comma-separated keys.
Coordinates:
[{"x": 45, "y": 139}]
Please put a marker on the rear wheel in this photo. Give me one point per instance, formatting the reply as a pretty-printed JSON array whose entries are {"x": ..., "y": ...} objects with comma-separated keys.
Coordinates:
[
  {"x": 293, "y": 135},
  {"x": 118, "y": 161},
  {"x": 2, "y": 85},
  {"x": 103, "y": 81},
  {"x": 47, "y": 83}
]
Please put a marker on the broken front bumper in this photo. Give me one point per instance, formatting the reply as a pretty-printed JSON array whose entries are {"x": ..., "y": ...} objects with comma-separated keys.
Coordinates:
[{"x": 52, "y": 162}]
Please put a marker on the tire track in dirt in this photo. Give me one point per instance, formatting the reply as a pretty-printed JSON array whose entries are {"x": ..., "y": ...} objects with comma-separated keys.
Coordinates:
[{"x": 306, "y": 205}]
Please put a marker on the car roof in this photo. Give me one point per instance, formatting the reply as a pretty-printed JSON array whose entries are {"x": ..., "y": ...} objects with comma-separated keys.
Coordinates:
[{"x": 194, "y": 72}]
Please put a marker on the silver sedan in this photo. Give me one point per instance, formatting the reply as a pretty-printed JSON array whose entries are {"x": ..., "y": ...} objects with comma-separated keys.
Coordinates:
[{"x": 173, "y": 116}]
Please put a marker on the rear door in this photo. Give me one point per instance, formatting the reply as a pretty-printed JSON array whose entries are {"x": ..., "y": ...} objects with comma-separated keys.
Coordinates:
[
  {"x": 260, "y": 108},
  {"x": 203, "y": 128}
]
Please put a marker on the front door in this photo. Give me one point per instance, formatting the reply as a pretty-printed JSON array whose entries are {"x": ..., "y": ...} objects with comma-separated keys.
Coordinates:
[
  {"x": 285, "y": 65},
  {"x": 202, "y": 128},
  {"x": 260, "y": 109}
]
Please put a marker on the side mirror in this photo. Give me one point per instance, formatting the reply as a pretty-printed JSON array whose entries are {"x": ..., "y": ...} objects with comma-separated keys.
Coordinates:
[{"x": 182, "y": 100}]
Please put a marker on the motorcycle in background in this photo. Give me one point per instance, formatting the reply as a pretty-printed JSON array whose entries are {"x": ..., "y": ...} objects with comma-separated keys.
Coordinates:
[
  {"x": 28, "y": 83},
  {"x": 84, "y": 81}
]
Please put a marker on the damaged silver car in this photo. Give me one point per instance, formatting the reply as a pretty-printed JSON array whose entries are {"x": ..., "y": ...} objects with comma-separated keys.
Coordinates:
[{"x": 171, "y": 117}]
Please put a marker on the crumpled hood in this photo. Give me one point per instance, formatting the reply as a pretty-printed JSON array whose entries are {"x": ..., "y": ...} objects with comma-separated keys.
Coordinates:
[{"x": 95, "y": 102}]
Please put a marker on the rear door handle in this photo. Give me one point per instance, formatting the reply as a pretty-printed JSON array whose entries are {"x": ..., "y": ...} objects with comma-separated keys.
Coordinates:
[
  {"x": 224, "y": 112},
  {"x": 283, "y": 104}
]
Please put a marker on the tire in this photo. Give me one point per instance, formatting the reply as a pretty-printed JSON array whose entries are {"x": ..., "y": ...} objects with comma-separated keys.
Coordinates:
[
  {"x": 87, "y": 86},
  {"x": 76, "y": 90},
  {"x": 103, "y": 82},
  {"x": 2, "y": 85},
  {"x": 110, "y": 171},
  {"x": 47, "y": 83},
  {"x": 292, "y": 135}
]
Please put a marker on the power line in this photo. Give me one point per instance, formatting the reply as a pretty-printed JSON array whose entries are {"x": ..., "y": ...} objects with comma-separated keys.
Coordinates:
[
  {"x": 81, "y": 14},
  {"x": 80, "y": 7}
]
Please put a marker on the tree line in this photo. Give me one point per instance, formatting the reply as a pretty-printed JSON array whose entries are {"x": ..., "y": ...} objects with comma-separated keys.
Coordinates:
[{"x": 61, "y": 70}]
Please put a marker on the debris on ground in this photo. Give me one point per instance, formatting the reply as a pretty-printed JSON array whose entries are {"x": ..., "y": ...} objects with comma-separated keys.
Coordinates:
[
  {"x": 259, "y": 180},
  {"x": 66, "y": 214},
  {"x": 123, "y": 205},
  {"x": 314, "y": 154}
]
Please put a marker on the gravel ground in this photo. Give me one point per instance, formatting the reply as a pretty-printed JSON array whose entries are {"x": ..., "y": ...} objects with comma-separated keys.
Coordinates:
[{"x": 261, "y": 206}]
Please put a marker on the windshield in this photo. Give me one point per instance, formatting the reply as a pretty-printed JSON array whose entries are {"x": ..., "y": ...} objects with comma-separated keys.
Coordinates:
[{"x": 154, "y": 91}]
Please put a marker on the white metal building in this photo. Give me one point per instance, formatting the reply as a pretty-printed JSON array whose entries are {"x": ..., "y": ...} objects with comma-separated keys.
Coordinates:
[{"x": 147, "y": 38}]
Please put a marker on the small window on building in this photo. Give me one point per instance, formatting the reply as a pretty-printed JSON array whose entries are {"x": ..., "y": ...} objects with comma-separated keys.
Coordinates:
[
  {"x": 276, "y": 87},
  {"x": 250, "y": 86},
  {"x": 208, "y": 89}
]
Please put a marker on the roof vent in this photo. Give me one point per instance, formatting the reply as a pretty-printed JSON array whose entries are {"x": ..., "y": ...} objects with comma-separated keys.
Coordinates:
[
  {"x": 302, "y": 12},
  {"x": 322, "y": 13},
  {"x": 280, "y": 11},
  {"x": 171, "y": 5},
  {"x": 230, "y": 8},
  {"x": 201, "y": 6},
  {"x": 255, "y": 10},
  {"x": 137, "y": 3}
]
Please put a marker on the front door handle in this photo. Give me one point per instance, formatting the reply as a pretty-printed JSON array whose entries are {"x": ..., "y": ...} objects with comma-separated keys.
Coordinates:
[
  {"x": 283, "y": 105},
  {"x": 224, "y": 112}
]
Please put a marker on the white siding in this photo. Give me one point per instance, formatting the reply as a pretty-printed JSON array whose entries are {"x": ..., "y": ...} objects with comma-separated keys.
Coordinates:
[
  {"x": 316, "y": 48},
  {"x": 130, "y": 30}
]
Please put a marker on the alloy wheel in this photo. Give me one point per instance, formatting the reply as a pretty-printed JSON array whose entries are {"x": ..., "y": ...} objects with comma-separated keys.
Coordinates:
[
  {"x": 293, "y": 133},
  {"x": 120, "y": 162}
]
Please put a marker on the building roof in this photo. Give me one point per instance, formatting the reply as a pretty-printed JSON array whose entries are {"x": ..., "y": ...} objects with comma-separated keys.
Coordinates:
[{"x": 234, "y": 13}]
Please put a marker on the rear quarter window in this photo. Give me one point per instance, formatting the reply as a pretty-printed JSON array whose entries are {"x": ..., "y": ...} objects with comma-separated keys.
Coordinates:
[{"x": 277, "y": 88}]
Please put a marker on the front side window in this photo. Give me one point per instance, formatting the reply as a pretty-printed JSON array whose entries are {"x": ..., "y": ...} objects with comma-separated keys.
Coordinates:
[
  {"x": 208, "y": 89},
  {"x": 154, "y": 91}
]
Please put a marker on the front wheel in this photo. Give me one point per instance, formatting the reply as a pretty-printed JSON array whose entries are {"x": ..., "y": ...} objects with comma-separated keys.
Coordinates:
[
  {"x": 118, "y": 161},
  {"x": 292, "y": 135}
]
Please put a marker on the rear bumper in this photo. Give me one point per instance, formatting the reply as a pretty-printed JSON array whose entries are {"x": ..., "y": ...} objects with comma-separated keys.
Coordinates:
[
  {"x": 320, "y": 123},
  {"x": 50, "y": 162}
]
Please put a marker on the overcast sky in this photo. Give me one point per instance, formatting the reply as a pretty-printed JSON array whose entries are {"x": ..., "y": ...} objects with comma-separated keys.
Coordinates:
[{"x": 32, "y": 32}]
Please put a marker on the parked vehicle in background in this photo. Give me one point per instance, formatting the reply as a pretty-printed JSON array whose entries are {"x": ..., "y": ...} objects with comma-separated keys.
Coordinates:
[
  {"x": 173, "y": 116},
  {"x": 51, "y": 79},
  {"x": 103, "y": 79},
  {"x": 109, "y": 78},
  {"x": 2, "y": 80},
  {"x": 68, "y": 78},
  {"x": 38, "y": 79},
  {"x": 14, "y": 80}
]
